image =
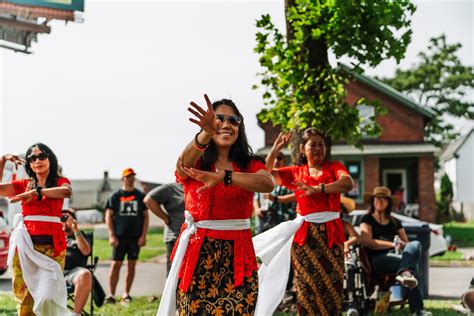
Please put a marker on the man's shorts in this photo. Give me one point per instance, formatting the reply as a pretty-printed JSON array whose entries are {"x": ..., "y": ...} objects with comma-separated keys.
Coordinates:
[
  {"x": 126, "y": 246},
  {"x": 70, "y": 275}
]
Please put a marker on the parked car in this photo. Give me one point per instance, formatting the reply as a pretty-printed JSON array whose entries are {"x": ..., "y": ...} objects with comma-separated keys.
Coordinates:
[
  {"x": 4, "y": 240},
  {"x": 438, "y": 244}
]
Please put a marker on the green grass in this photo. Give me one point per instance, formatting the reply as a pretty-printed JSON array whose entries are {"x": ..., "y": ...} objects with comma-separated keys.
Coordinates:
[
  {"x": 141, "y": 306},
  {"x": 155, "y": 246},
  {"x": 144, "y": 306},
  {"x": 462, "y": 234},
  {"x": 448, "y": 256}
]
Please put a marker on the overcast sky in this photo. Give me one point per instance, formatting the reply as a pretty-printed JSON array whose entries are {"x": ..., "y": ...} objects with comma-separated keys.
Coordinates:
[{"x": 112, "y": 92}]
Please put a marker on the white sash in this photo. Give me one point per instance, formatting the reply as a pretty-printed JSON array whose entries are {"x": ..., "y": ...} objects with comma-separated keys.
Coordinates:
[
  {"x": 273, "y": 247},
  {"x": 168, "y": 299},
  {"x": 42, "y": 275}
]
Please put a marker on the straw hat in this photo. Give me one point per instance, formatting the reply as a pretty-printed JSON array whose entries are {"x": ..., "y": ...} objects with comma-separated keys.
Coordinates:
[
  {"x": 381, "y": 192},
  {"x": 348, "y": 204}
]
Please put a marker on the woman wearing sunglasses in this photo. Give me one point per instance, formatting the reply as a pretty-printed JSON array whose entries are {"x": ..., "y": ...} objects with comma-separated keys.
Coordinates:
[
  {"x": 314, "y": 240},
  {"x": 214, "y": 265},
  {"x": 38, "y": 244}
]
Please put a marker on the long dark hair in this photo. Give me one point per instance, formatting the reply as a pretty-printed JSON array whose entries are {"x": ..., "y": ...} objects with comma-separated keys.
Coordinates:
[
  {"x": 388, "y": 210},
  {"x": 52, "y": 179},
  {"x": 311, "y": 131},
  {"x": 241, "y": 153}
]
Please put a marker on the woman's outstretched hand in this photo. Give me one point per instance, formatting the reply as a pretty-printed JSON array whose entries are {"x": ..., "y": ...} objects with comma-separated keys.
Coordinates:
[
  {"x": 17, "y": 160},
  {"x": 210, "y": 179},
  {"x": 206, "y": 120},
  {"x": 24, "y": 197}
]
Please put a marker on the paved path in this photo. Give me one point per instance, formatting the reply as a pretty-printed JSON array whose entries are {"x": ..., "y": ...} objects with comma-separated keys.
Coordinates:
[{"x": 444, "y": 283}]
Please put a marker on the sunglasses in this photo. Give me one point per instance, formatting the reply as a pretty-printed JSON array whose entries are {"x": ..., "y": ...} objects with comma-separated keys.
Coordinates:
[
  {"x": 33, "y": 158},
  {"x": 235, "y": 120},
  {"x": 279, "y": 158}
]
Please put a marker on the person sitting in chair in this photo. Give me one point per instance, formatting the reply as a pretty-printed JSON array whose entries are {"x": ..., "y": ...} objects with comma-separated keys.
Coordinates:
[
  {"x": 389, "y": 249},
  {"x": 75, "y": 272}
]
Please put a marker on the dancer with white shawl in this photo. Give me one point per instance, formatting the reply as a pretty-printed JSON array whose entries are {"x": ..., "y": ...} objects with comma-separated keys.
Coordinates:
[
  {"x": 315, "y": 238},
  {"x": 38, "y": 244}
]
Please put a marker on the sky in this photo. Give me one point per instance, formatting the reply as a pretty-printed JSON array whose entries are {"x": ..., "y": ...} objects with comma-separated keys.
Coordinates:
[{"x": 112, "y": 92}]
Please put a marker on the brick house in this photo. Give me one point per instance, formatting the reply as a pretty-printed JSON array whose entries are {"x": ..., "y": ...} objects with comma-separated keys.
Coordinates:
[{"x": 398, "y": 158}]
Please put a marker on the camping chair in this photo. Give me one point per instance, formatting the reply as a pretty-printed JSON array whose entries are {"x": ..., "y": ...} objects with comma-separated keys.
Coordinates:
[{"x": 97, "y": 293}]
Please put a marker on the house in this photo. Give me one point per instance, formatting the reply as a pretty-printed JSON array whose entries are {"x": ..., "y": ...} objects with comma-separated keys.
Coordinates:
[
  {"x": 457, "y": 161},
  {"x": 398, "y": 158}
]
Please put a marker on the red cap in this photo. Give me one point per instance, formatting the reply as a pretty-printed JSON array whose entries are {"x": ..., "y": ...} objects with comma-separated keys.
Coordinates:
[{"x": 127, "y": 172}]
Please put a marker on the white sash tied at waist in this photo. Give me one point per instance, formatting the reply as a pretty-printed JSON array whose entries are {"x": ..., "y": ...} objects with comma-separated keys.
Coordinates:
[
  {"x": 42, "y": 275},
  {"x": 273, "y": 247},
  {"x": 168, "y": 299}
]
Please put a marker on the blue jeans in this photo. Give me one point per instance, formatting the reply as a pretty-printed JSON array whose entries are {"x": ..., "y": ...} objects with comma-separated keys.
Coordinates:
[{"x": 409, "y": 259}]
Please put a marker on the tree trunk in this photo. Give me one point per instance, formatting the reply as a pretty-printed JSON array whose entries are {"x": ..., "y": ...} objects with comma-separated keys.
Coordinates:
[{"x": 317, "y": 51}]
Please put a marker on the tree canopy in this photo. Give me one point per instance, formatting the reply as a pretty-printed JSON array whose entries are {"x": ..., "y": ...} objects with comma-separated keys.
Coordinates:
[
  {"x": 301, "y": 88},
  {"x": 440, "y": 82}
]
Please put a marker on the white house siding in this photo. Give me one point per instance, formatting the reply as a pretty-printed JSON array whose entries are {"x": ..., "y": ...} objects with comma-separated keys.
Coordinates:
[
  {"x": 465, "y": 171},
  {"x": 465, "y": 178}
]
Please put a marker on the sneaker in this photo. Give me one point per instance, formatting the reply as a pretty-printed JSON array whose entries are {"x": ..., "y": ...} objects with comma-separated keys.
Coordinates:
[
  {"x": 407, "y": 279},
  {"x": 351, "y": 311},
  {"x": 126, "y": 300},
  {"x": 422, "y": 312},
  {"x": 110, "y": 300}
]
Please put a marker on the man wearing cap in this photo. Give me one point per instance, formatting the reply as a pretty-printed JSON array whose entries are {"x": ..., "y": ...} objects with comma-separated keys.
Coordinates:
[{"x": 127, "y": 222}]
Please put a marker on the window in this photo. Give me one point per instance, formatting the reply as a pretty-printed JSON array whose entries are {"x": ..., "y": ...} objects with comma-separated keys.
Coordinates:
[{"x": 355, "y": 170}]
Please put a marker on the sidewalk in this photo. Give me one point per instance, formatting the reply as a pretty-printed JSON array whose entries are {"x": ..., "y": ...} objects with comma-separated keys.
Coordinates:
[{"x": 444, "y": 282}]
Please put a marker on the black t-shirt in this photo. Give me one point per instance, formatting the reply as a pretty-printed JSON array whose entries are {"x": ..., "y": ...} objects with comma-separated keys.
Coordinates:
[
  {"x": 74, "y": 256},
  {"x": 128, "y": 209},
  {"x": 382, "y": 232}
]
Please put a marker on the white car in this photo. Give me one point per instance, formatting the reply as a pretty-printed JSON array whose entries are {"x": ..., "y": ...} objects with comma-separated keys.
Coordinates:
[{"x": 438, "y": 244}]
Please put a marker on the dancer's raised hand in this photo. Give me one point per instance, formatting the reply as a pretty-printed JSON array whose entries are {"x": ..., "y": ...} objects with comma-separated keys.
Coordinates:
[
  {"x": 17, "y": 160},
  {"x": 206, "y": 120},
  {"x": 282, "y": 141}
]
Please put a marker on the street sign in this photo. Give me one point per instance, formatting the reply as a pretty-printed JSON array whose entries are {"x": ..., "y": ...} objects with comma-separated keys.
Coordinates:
[{"x": 69, "y": 5}]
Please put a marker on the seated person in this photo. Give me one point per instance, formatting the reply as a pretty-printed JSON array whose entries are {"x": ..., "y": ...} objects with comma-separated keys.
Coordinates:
[
  {"x": 75, "y": 271},
  {"x": 378, "y": 232}
]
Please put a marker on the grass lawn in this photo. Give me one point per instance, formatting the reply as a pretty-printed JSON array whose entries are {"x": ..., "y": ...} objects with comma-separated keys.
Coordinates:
[
  {"x": 142, "y": 306},
  {"x": 155, "y": 246},
  {"x": 462, "y": 234}
]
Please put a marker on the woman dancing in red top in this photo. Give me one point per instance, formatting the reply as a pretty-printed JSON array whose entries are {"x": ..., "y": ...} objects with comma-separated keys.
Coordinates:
[
  {"x": 38, "y": 230},
  {"x": 214, "y": 264},
  {"x": 316, "y": 237}
]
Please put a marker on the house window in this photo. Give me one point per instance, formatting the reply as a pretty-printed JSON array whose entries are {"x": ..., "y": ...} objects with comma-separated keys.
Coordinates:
[{"x": 355, "y": 170}]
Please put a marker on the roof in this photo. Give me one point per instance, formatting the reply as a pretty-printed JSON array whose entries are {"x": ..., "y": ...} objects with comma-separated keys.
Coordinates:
[
  {"x": 380, "y": 149},
  {"x": 452, "y": 148},
  {"x": 388, "y": 91}
]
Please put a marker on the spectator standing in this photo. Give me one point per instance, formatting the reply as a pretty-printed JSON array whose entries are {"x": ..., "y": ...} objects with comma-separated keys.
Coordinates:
[
  {"x": 171, "y": 197},
  {"x": 127, "y": 223}
]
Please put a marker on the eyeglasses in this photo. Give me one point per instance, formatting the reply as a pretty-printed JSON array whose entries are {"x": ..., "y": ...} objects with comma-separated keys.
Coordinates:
[
  {"x": 232, "y": 119},
  {"x": 41, "y": 157},
  {"x": 279, "y": 158}
]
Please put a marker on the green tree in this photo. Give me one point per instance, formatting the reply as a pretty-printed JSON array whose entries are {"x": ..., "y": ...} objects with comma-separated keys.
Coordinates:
[
  {"x": 301, "y": 88},
  {"x": 444, "y": 199},
  {"x": 440, "y": 82}
]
